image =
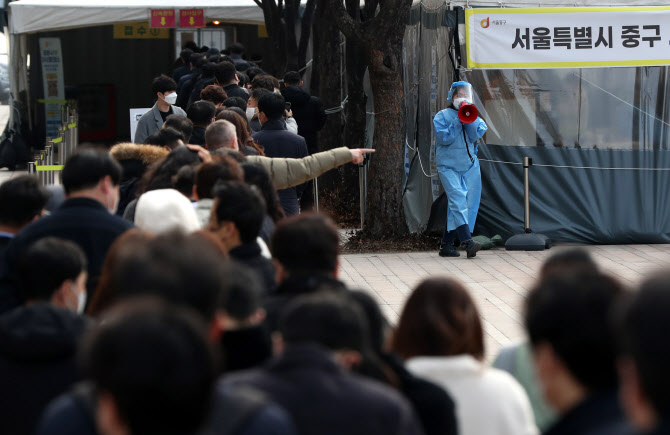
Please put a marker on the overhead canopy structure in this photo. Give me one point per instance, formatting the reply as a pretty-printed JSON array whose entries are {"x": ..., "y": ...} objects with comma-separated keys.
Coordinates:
[{"x": 29, "y": 16}]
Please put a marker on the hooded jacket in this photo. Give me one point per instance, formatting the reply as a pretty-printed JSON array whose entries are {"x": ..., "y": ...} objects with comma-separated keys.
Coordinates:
[
  {"x": 134, "y": 159},
  {"x": 38, "y": 345},
  {"x": 308, "y": 112}
]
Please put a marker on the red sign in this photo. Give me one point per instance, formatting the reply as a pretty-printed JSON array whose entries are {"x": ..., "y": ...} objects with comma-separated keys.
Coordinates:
[
  {"x": 191, "y": 18},
  {"x": 163, "y": 18}
]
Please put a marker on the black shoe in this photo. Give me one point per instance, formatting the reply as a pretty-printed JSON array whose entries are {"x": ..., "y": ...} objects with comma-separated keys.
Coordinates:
[
  {"x": 471, "y": 247},
  {"x": 448, "y": 251}
]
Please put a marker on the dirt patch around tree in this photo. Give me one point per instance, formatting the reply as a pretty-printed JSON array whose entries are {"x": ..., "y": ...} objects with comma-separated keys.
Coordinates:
[{"x": 358, "y": 242}]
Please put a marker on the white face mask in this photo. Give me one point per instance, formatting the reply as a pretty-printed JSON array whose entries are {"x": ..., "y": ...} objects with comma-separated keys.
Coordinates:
[
  {"x": 81, "y": 298},
  {"x": 81, "y": 302},
  {"x": 458, "y": 102},
  {"x": 251, "y": 111},
  {"x": 171, "y": 99}
]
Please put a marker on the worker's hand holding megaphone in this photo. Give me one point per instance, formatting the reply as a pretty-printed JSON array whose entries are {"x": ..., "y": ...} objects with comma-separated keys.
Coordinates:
[{"x": 468, "y": 112}]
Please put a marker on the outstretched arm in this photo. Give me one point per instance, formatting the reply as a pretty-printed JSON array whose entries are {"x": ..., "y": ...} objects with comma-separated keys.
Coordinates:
[{"x": 291, "y": 172}]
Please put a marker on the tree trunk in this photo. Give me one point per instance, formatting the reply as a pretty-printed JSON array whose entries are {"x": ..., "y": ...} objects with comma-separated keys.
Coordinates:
[
  {"x": 381, "y": 35},
  {"x": 326, "y": 78},
  {"x": 384, "y": 202}
]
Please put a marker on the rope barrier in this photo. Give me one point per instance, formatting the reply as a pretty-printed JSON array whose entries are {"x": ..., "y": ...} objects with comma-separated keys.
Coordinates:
[
  {"x": 577, "y": 167},
  {"x": 622, "y": 100}
]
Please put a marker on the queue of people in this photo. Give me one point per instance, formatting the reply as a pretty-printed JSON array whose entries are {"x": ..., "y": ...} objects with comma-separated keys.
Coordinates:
[{"x": 176, "y": 290}]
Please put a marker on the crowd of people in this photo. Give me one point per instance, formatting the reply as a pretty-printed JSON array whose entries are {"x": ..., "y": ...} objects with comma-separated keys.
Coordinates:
[
  {"x": 269, "y": 118},
  {"x": 168, "y": 292}
]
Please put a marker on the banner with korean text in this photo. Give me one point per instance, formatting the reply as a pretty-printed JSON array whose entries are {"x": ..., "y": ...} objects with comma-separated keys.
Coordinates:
[{"x": 567, "y": 37}]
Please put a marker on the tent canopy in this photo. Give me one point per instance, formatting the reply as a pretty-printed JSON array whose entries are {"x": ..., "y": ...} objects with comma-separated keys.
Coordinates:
[{"x": 29, "y": 16}]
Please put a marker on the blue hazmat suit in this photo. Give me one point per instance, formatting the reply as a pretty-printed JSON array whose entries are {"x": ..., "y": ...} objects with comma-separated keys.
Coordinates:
[{"x": 459, "y": 172}]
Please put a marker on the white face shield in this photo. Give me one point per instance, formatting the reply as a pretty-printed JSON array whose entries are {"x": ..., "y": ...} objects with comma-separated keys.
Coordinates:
[{"x": 462, "y": 93}]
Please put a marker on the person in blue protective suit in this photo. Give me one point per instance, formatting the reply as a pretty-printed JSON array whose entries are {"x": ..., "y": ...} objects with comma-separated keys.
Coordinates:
[{"x": 458, "y": 168}]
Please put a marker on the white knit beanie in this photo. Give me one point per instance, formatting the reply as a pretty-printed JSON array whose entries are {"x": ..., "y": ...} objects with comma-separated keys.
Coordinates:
[{"x": 164, "y": 210}]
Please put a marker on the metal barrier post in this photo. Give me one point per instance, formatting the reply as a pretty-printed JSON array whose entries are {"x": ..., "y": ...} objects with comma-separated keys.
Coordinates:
[
  {"x": 76, "y": 128},
  {"x": 47, "y": 154},
  {"x": 316, "y": 194},
  {"x": 38, "y": 162},
  {"x": 71, "y": 128},
  {"x": 31, "y": 168},
  {"x": 362, "y": 184},
  {"x": 62, "y": 154}
]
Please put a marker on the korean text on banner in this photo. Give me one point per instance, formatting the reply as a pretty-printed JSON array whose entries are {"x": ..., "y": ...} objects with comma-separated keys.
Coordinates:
[
  {"x": 163, "y": 18},
  {"x": 54, "y": 87},
  {"x": 567, "y": 37},
  {"x": 192, "y": 18}
]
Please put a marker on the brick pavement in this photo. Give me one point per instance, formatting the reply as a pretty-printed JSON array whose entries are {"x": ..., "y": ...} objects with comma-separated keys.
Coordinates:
[{"x": 498, "y": 280}]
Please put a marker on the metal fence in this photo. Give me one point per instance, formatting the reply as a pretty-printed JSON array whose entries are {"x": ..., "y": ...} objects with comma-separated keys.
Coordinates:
[{"x": 44, "y": 163}]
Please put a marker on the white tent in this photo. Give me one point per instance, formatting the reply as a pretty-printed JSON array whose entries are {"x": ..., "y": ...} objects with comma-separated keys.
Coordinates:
[
  {"x": 32, "y": 16},
  {"x": 28, "y": 16}
]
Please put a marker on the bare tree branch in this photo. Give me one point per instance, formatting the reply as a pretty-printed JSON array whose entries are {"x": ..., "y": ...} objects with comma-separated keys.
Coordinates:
[
  {"x": 305, "y": 30},
  {"x": 351, "y": 29},
  {"x": 260, "y": 5}
]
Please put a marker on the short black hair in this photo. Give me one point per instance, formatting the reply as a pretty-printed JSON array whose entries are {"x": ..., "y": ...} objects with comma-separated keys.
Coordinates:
[
  {"x": 256, "y": 94},
  {"x": 236, "y": 102},
  {"x": 198, "y": 60},
  {"x": 191, "y": 45},
  {"x": 242, "y": 78},
  {"x": 264, "y": 81},
  {"x": 46, "y": 264},
  {"x": 89, "y": 165},
  {"x": 572, "y": 312},
  {"x": 208, "y": 70},
  {"x": 21, "y": 199},
  {"x": 180, "y": 123},
  {"x": 241, "y": 204},
  {"x": 157, "y": 364},
  {"x": 242, "y": 291},
  {"x": 166, "y": 137},
  {"x": 201, "y": 113},
  {"x": 292, "y": 78},
  {"x": 307, "y": 242},
  {"x": 225, "y": 73},
  {"x": 185, "y": 55},
  {"x": 180, "y": 269},
  {"x": 163, "y": 84},
  {"x": 325, "y": 318},
  {"x": 220, "y": 169},
  {"x": 236, "y": 48},
  {"x": 568, "y": 261},
  {"x": 253, "y": 72},
  {"x": 644, "y": 328},
  {"x": 273, "y": 105}
]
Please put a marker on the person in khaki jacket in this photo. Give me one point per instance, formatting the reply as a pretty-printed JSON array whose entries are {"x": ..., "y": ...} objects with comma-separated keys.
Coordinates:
[{"x": 284, "y": 172}]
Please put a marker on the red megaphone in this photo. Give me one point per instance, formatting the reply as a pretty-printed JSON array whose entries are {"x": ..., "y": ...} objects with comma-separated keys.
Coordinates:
[{"x": 468, "y": 113}]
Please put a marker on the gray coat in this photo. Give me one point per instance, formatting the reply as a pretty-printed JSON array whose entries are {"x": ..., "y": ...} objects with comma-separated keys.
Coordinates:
[{"x": 151, "y": 122}]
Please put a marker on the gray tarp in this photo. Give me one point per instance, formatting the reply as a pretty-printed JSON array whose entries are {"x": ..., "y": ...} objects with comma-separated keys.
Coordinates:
[{"x": 586, "y": 118}]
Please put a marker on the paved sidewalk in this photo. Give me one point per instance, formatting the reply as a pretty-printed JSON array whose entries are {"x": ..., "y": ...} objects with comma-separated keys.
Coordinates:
[{"x": 499, "y": 280}]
